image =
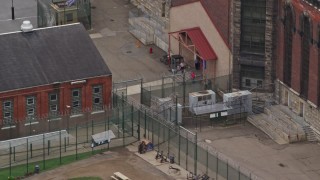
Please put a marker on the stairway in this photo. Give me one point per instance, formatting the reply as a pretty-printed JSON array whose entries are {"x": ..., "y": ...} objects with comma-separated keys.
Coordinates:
[
  {"x": 311, "y": 135},
  {"x": 261, "y": 122}
]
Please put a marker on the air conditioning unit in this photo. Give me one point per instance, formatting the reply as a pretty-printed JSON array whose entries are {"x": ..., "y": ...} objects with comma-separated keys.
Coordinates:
[
  {"x": 240, "y": 101},
  {"x": 201, "y": 98}
]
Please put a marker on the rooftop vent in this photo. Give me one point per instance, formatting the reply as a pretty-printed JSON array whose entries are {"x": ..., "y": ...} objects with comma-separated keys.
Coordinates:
[{"x": 26, "y": 26}]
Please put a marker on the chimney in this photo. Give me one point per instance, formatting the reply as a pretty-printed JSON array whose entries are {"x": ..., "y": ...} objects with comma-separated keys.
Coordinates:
[{"x": 26, "y": 26}]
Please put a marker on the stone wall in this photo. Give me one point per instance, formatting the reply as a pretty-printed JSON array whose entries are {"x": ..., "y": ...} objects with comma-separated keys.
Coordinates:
[
  {"x": 153, "y": 8},
  {"x": 270, "y": 43},
  {"x": 287, "y": 96}
]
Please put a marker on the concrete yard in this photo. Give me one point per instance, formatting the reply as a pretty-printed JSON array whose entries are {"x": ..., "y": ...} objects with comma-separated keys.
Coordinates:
[{"x": 254, "y": 150}]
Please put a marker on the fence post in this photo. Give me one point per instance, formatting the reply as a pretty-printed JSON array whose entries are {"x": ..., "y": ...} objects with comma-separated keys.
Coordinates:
[
  {"x": 27, "y": 156},
  {"x": 159, "y": 136},
  {"x": 195, "y": 154},
  {"x": 141, "y": 96},
  {"x": 207, "y": 160},
  {"x": 162, "y": 88},
  {"x": 60, "y": 145},
  {"x": 168, "y": 140},
  {"x": 77, "y": 140},
  {"x": 187, "y": 140},
  {"x": 30, "y": 150},
  {"x": 176, "y": 121},
  {"x": 184, "y": 89},
  {"x": 217, "y": 165},
  {"x": 139, "y": 111},
  {"x": 108, "y": 130},
  {"x": 92, "y": 130},
  {"x": 179, "y": 145},
  {"x": 122, "y": 102},
  {"x": 118, "y": 117},
  {"x": 87, "y": 126},
  {"x": 43, "y": 151},
  {"x": 227, "y": 170},
  {"x": 10, "y": 161},
  {"x": 48, "y": 147},
  {"x": 14, "y": 153},
  {"x": 132, "y": 119},
  {"x": 152, "y": 136},
  {"x": 145, "y": 123}
]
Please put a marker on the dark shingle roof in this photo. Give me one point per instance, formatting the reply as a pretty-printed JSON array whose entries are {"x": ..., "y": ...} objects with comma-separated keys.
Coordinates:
[{"x": 49, "y": 55}]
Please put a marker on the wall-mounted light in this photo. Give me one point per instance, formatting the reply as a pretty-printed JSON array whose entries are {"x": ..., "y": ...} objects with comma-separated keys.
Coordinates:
[{"x": 78, "y": 82}]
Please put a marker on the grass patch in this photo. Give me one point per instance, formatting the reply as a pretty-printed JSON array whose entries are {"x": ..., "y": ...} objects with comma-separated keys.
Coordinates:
[
  {"x": 21, "y": 170},
  {"x": 86, "y": 178}
]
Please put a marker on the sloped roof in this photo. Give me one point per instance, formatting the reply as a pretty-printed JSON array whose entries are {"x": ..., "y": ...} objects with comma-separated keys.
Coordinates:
[
  {"x": 201, "y": 43},
  {"x": 49, "y": 55},
  {"x": 218, "y": 12}
]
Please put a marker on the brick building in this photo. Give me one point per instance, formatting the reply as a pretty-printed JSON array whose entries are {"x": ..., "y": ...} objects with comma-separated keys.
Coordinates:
[
  {"x": 297, "y": 68},
  {"x": 49, "y": 72}
]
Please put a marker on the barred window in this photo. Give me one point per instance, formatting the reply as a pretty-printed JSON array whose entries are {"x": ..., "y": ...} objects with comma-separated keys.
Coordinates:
[
  {"x": 76, "y": 101},
  {"x": 253, "y": 24},
  {"x": 305, "y": 54},
  {"x": 288, "y": 28},
  {"x": 31, "y": 108},
  {"x": 7, "y": 108},
  {"x": 97, "y": 100},
  {"x": 53, "y": 104}
]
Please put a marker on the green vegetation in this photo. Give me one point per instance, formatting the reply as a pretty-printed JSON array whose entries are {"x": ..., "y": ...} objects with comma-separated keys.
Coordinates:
[
  {"x": 86, "y": 178},
  {"x": 21, "y": 170}
]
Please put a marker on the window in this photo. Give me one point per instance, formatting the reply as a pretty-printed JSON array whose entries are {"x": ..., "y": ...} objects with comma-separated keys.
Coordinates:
[
  {"x": 53, "y": 108},
  {"x": 76, "y": 101},
  {"x": 259, "y": 83},
  {"x": 96, "y": 90},
  {"x": 250, "y": 75},
  {"x": 248, "y": 82},
  {"x": 75, "y": 93},
  {"x": 30, "y": 100},
  {"x": 7, "y": 104},
  {"x": 288, "y": 28},
  {"x": 75, "y": 104},
  {"x": 97, "y": 101},
  {"x": 53, "y": 104},
  {"x": 7, "y": 108},
  {"x": 30, "y": 112},
  {"x": 30, "y": 108},
  {"x": 69, "y": 17},
  {"x": 163, "y": 10},
  {"x": 53, "y": 97},
  {"x": 305, "y": 52},
  {"x": 253, "y": 24},
  {"x": 7, "y": 115}
]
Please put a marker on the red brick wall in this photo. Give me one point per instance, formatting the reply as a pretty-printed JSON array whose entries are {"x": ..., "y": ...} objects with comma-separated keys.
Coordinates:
[
  {"x": 299, "y": 7},
  {"x": 64, "y": 94}
]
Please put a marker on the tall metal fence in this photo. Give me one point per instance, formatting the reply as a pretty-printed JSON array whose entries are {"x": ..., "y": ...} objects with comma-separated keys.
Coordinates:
[
  {"x": 49, "y": 143},
  {"x": 69, "y": 11},
  {"x": 182, "y": 144}
]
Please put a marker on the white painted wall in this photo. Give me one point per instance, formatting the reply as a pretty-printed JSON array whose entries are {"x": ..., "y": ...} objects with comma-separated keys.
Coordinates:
[{"x": 194, "y": 15}]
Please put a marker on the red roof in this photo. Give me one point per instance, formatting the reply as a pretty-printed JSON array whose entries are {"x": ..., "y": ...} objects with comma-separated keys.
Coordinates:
[{"x": 201, "y": 43}]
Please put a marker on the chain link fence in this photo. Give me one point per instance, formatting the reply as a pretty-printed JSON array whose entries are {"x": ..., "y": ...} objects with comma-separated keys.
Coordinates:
[
  {"x": 59, "y": 12},
  {"x": 180, "y": 143},
  {"x": 50, "y": 143}
]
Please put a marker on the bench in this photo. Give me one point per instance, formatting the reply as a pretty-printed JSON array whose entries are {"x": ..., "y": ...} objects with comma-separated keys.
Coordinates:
[
  {"x": 114, "y": 178},
  {"x": 120, "y": 176}
]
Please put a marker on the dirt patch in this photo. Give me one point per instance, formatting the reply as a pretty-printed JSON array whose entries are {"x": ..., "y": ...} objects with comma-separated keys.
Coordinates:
[{"x": 104, "y": 165}]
